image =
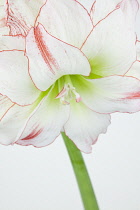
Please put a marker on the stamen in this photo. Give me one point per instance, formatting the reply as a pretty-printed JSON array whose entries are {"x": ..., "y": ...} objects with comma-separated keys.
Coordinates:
[{"x": 67, "y": 94}]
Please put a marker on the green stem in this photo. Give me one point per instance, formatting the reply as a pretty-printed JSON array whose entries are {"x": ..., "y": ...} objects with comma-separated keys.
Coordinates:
[{"x": 84, "y": 183}]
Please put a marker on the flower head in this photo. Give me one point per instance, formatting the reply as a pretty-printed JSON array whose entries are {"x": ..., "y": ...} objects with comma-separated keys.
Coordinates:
[{"x": 64, "y": 67}]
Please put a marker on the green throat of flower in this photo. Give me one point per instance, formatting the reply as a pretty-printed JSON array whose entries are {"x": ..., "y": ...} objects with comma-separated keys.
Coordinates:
[
  {"x": 68, "y": 88},
  {"x": 67, "y": 91},
  {"x": 64, "y": 90}
]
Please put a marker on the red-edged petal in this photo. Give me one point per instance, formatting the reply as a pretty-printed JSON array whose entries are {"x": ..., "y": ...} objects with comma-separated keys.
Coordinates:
[
  {"x": 13, "y": 123},
  {"x": 135, "y": 69},
  {"x": 50, "y": 58},
  {"x": 2, "y": 13},
  {"x": 46, "y": 123},
  {"x": 15, "y": 82},
  {"x": 85, "y": 125},
  {"x": 102, "y": 9},
  {"x": 110, "y": 94},
  {"x": 21, "y": 15},
  {"x": 87, "y": 4},
  {"x": 110, "y": 47},
  {"x": 5, "y": 105},
  {"x": 3, "y": 18},
  {"x": 67, "y": 20}
]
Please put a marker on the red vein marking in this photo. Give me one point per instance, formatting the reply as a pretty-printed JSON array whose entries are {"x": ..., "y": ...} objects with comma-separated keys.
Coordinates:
[{"x": 45, "y": 52}]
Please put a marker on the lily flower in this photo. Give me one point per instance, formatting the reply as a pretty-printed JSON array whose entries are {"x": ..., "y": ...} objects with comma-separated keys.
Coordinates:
[{"x": 70, "y": 75}]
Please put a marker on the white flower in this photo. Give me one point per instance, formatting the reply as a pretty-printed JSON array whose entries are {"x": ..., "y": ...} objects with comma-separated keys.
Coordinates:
[{"x": 66, "y": 70}]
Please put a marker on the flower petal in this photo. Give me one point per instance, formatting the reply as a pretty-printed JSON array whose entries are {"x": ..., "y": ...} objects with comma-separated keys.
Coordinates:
[
  {"x": 15, "y": 81},
  {"x": 110, "y": 94},
  {"x": 21, "y": 15},
  {"x": 5, "y": 105},
  {"x": 4, "y": 31},
  {"x": 102, "y": 9},
  {"x": 13, "y": 123},
  {"x": 130, "y": 9},
  {"x": 85, "y": 125},
  {"x": 87, "y": 4},
  {"x": 66, "y": 20},
  {"x": 12, "y": 42},
  {"x": 135, "y": 69},
  {"x": 2, "y": 13},
  {"x": 110, "y": 47},
  {"x": 46, "y": 123},
  {"x": 138, "y": 50},
  {"x": 49, "y": 58}
]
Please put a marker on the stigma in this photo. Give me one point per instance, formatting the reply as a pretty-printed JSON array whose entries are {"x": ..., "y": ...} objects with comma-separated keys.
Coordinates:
[{"x": 67, "y": 94}]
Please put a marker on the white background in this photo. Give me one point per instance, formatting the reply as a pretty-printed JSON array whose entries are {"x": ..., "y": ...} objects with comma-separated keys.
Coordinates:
[{"x": 42, "y": 179}]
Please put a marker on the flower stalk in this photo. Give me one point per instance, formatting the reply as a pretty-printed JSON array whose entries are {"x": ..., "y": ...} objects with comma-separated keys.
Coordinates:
[{"x": 81, "y": 173}]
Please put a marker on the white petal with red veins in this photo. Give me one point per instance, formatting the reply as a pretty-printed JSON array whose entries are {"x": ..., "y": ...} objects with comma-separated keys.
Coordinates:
[
  {"x": 13, "y": 123},
  {"x": 49, "y": 58},
  {"x": 15, "y": 82},
  {"x": 21, "y": 15},
  {"x": 111, "y": 94},
  {"x": 3, "y": 18},
  {"x": 85, "y": 125},
  {"x": 5, "y": 105},
  {"x": 46, "y": 123},
  {"x": 66, "y": 20},
  {"x": 135, "y": 70},
  {"x": 110, "y": 47},
  {"x": 2, "y": 13},
  {"x": 87, "y": 4},
  {"x": 102, "y": 9}
]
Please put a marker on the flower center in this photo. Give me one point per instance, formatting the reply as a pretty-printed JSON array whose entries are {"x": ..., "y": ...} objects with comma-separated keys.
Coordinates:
[{"x": 68, "y": 93}]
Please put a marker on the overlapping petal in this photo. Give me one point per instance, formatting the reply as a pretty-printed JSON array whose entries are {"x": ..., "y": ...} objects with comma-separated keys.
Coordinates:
[
  {"x": 66, "y": 20},
  {"x": 21, "y": 15},
  {"x": 111, "y": 45},
  {"x": 5, "y": 105},
  {"x": 49, "y": 58},
  {"x": 102, "y": 9},
  {"x": 85, "y": 125},
  {"x": 13, "y": 123},
  {"x": 15, "y": 82},
  {"x": 3, "y": 18},
  {"x": 46, "y": 123},
  {"x": 135, "y": 69},
  {"x": 110, "y": 94},
  {"x": 8, "y": 42},
  {"x": 87, "y": 4},
  {"x": 2, "y": 13}
]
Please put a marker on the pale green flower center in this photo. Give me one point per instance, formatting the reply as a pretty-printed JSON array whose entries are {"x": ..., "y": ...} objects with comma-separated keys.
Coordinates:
[{"x": 66, "y": 90}]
